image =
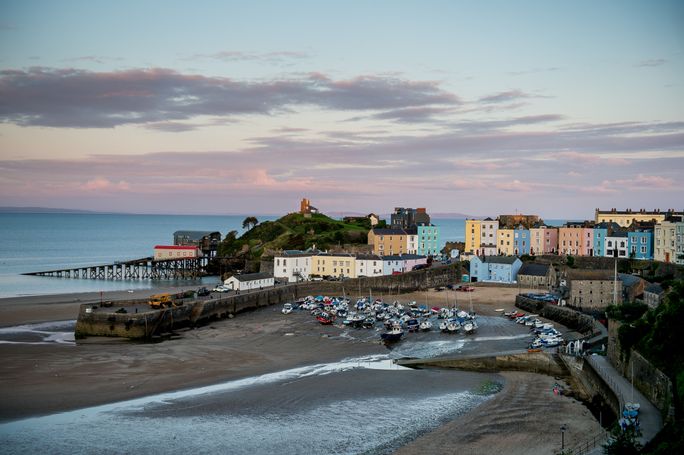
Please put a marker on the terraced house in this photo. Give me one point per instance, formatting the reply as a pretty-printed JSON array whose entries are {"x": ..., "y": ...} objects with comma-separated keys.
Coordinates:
[{"x": 388, "y": 241}]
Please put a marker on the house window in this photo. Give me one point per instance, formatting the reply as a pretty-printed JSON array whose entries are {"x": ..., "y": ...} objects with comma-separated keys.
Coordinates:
[{"x": 643, "y": 249}]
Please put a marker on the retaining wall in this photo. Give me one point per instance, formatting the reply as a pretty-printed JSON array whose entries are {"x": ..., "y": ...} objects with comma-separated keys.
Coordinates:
[
  {"x": 576, "y": 320},
  {"x": 649, "y": 380}
]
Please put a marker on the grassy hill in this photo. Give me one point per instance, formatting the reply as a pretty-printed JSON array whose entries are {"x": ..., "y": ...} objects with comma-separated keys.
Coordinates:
[{"x": 294, "y": 232}]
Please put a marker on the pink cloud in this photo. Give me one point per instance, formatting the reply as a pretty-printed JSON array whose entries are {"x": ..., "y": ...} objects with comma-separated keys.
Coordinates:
[
  {"x": 585, "y": 158},
  {"x": 103, "y": 184}
]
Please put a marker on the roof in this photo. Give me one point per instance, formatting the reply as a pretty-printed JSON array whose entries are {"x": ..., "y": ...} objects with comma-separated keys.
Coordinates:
[
  {"x": 195, "y": 235},
  {"x": 591, "y": 275},
  {"x": 499, "y": 259},
  {"x": 252, "y": 276},
  {"x": 335, "y": 254},
  {"x": 395, "y": 257},
  {"x": 174, "y": 247},
  {"x": 534, "y": 269},
  {"x": 629, "y": 280},
  {"x": 387, "y": 231},
  {"x": 654, "y": 288},
  {"x": 368, "y": 257}
]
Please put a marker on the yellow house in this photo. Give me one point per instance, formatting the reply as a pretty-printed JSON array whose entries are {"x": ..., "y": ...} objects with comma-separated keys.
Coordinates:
[
  {"x": 334, "y": 264},
  {"x": 387, "y": 242},
  {"x": 473, "y": 240},
  {"x": 625, "y": 218},
  {"x": 504, "y": 241}
]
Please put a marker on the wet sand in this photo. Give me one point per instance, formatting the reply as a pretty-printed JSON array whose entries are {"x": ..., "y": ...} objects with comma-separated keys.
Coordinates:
[{"x": 43, "y": 379}]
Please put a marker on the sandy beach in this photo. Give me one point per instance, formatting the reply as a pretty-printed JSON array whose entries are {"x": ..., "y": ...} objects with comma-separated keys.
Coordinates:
[{"x": 48, "y": 378}]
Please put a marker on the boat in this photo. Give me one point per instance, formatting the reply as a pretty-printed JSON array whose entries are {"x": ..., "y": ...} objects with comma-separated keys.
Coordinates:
[
  {"x": 325, "y": 319},
  {"x": 453, "y": 326},
  {"x": 412, "y": 325},
  {"x": 425, "y": 325},
  {"x": 444, "y": 326},
  {"x": 469, "y": 327},
  {"x": 369, "y": 322},
  {"x": 393, "y": 335},
  {"x": 287, "y": 308}
]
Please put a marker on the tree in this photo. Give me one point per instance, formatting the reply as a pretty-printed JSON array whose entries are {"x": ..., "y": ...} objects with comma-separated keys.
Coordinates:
[
  {"x": 249, "y": 222},
  {"x": 623, "y": 443}
]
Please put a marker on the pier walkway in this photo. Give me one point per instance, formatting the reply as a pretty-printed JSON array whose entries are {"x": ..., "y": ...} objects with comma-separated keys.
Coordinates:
[
  {"x": 650, "y": 420},
  {"x": 135, "y": 269}
]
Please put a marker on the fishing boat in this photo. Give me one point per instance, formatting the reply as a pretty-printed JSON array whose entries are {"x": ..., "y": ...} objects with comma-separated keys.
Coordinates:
[
  {"x": 469, "y": 327},
  {"x": 287, "y": 308},
  {"x": 412, "y": 325},
  {"x": 444, "y": 326},
  {"x": 453, "y": 326},
  {"x": 369, "y": 322},
  {"x": 426, "y": 325},
  {"x": 325, "y": 318},
  {"x": 393, "y": 335}
]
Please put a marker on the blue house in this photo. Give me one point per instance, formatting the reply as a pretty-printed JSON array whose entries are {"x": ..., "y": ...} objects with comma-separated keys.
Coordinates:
[
  {"x": 500, "y": 269},
  {"x": 640, "y": 244},
  {"x": 521, "y": 240},
  {"x": 601, "y": 231},
  {"x": 428, "y": 240}
]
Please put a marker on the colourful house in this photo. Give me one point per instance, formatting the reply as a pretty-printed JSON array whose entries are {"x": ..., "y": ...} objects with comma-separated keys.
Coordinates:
[
  {"x": 505, "y": 242},
  {"x": 521, "y": 241},
  {"x": 388, "y": 241},
  {"x": 640, "y": 243},
  {"x": 543, "y": 240},
  {"x": 576, "y": 239},
  {"x": 500, "y": 269},
  {"x": 428, "y": 240}
]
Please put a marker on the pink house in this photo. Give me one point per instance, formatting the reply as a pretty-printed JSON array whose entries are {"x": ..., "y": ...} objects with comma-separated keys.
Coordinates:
[
  {"x": 576, "y": 239},
  {"x": 543, "y": 240}
]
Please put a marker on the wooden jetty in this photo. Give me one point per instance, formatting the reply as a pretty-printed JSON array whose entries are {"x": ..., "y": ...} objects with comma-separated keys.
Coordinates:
[{"x": 135, "y": 269}]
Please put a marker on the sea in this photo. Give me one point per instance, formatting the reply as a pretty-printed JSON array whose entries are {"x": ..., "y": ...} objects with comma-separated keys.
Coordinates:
[{"x": 33, "y": 242}]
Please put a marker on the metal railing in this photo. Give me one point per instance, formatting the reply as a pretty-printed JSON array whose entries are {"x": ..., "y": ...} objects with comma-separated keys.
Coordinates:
[{"x": 587, "y": 446}]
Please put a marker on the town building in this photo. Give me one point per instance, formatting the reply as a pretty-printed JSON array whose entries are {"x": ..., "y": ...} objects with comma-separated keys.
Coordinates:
[
  {"x": 653, "y": 295},
  {"x": 338, "y": 265},
  {"x": 668, "y": 239},
  {"x": 632, "y": 287},
  {"x": 521, "y": 241},
  {"x": 248, "y": 281},
  {"x": 165, "y": 252},
  {"x": 511, "y": 221},
  {"x": 206, "y": 241},
  {"x": 404, "y": 218},
  {"x": 601, "y": 232},
  {"x": 576, "y": 239},
  {"x": 374, "y": 219},
  {"x": 500, "y": 269},
  {"x": 480, "y": 236},
  {"x": 293, "y": 265},
  {"x": 388, "y": 241},
  {"x": 625, "y": 218},
  {"x": 640, "y": 243},
  {"x": 428, "y": 240},
  {"x": 412, "y": 240},
  {"x": 593, "y": 289},
  {"x": 543, "y": 239},
  {"x": 368, "y": 265},
  {"x": 617, "y": 244},
  {"x": 504, "y": 241},
  {"x": 532, "y": 274}
]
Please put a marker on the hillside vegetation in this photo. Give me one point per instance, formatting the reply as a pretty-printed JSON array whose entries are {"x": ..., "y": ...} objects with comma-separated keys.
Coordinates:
[{"x": 294, "y": 232}]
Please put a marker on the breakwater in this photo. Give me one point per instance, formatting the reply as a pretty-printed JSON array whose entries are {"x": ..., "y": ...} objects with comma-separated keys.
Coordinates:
[
  {"x": 531, "y": 362},
  {"x": 136, "y": 320}
]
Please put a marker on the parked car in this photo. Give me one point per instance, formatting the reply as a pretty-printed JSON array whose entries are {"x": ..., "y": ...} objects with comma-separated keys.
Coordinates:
[
  {"x": 465, "y": 288},
  {"x": 203, "y": 292},
  {"x": 221, "y": 288}
]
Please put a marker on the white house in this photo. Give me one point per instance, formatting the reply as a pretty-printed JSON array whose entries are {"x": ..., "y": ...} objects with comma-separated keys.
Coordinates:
[
  {"x": 292, "y": 265},
  {"x": 368, "y": 265},
  {"x": 411, "y": 241},
  {"x": 617, "y": 241},
  {"x": 249, "y": 281}
]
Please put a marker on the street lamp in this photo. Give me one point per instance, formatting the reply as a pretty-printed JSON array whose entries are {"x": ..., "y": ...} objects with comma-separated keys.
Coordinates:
[{"x": 562, "y": 429}]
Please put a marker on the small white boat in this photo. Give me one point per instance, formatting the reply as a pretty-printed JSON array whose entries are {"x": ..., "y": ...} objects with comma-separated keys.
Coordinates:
[
  {"x": 287, "y": 308},
  {"x": 452, "y": 327},
  {"x": 469, "y": 327},
  {"x": 425, "y": 325}
]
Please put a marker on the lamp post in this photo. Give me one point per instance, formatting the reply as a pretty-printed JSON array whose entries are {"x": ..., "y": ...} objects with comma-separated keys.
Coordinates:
[{"x": 562, "y": 429}]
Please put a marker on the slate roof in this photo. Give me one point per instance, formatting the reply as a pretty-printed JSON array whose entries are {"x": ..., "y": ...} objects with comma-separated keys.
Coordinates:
[
  {"x": 591, "y": 275},
  {"x": 388, "y": 231},
  {"x": 654, "y": 288},
  {"x": 533, "y": 269},
  {"x": 499, "y": 259},
  {"x": 395, "y": 257}
]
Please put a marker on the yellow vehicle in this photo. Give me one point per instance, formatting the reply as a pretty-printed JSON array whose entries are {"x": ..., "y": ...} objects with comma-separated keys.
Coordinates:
[{"x": 160, "y": 300}]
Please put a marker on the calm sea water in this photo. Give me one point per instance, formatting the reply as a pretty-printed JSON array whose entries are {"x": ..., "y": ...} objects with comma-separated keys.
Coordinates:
[{"x": 31, "y": 242}]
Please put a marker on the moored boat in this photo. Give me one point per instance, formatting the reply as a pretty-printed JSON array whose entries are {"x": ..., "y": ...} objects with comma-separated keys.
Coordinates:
[{"x": 392, "y": 335}]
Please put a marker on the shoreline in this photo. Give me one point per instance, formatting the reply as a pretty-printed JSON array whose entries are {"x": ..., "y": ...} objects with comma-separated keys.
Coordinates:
[{"x": 38, "y": 380}]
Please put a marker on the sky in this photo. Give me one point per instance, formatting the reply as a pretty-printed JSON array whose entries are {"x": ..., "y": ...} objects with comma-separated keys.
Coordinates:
[{"x": 234, "y": 107}]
